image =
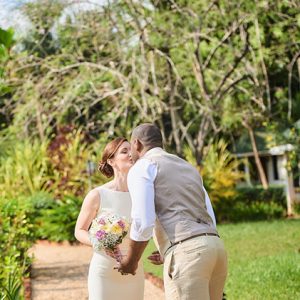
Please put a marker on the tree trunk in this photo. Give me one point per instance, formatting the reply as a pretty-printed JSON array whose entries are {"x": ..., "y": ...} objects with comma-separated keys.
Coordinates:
[
  {"x": 201, "y": 136},
  {"x": 258, "y": 163}
]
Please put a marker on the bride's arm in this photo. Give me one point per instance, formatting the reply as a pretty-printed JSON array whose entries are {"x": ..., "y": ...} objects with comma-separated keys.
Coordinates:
[{"x": 87, "y": 213}]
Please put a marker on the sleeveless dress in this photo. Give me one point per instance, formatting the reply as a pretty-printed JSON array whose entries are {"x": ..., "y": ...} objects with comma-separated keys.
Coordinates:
[{"x": 105, "y": 283}]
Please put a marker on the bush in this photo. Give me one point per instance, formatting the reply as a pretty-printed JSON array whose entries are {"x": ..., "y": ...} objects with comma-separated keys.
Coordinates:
[
  {"x": 220, "y": 171},
  {"x": 69, "y": 154},
  {"x": 272, "y": 194},
  {"x": 17, "y": 235},
  {"x": 252, "y": 203},
  {"x": 58, "y": 166},
  {"x": 24, "y": 169},
  {"x": 53, "y": 219},
  {"x": 57, "y": 219},
  {"x": 297, "y": 208}
]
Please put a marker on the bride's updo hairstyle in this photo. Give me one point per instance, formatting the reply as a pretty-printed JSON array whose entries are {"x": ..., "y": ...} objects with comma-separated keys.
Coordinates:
[{"x": 109, "y": 151}]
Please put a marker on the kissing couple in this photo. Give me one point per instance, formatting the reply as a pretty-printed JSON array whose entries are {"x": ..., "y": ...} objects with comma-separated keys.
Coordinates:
[{"x": 164, "y": 198}]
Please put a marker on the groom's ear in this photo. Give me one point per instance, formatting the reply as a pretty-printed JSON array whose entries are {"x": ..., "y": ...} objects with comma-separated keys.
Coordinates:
[{"x": 139, "y": 145}]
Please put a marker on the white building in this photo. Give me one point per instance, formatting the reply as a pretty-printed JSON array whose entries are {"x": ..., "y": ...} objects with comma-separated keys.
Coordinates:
[{"x": 274, "y": 162}]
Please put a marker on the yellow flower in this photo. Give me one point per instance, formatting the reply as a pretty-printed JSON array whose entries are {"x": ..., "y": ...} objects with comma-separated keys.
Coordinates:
[
  {"x": 116, "y": 229},
  {"x": 105, "y": 228}
]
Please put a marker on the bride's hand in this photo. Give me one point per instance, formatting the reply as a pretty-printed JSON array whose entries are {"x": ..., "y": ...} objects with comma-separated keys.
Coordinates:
[
  {"x": 115, "y": 253},
  {"x": 155, "y": 258}
]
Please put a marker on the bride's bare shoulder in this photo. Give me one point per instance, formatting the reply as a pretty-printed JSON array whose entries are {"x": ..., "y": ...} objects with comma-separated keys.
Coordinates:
[
  {"x": 107, "y": 185},
  {"x": 95, "y": 192},
  {"x": 93, "y": 196}
]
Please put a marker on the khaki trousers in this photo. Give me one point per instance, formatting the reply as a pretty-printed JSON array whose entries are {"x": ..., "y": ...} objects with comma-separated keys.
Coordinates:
[{"x": 196, "y": 269}]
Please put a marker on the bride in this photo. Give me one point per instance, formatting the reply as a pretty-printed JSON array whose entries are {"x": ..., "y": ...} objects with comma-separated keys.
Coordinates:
[{"x": 105, "y": 282}]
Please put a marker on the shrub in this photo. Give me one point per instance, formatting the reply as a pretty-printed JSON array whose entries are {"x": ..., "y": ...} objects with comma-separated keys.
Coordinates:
[
  {"x": 57, "y": 220},
  {"x": 251, "y": 203},
  {"x": 220, "y": 171},
  {"x": 232, "y": 204},
  {"x": 257, "y": 193},
  {"x": 58, "y": 166},
  {"x": 297, "y": 208},
  {"x": 69, "y": 154},
  {"x": 17, "y": 235},
  {"x": 24, "y": 169}
]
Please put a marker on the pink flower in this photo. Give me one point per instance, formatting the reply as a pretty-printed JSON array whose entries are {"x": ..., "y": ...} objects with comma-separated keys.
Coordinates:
[
  {"x": 101, "y": 221},
  {"x": 100, "y": 234},
  {"x": 121, "y": 224}
]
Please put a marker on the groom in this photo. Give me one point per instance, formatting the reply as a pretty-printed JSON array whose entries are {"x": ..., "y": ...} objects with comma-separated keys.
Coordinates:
[{"x": 168, "y": 195}]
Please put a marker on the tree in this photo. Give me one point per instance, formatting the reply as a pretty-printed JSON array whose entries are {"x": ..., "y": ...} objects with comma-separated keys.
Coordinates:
[{"x": 185, "y": 65}]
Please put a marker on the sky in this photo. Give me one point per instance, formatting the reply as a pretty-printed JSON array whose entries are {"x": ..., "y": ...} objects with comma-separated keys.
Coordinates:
[{"x": 11, "y": 15}]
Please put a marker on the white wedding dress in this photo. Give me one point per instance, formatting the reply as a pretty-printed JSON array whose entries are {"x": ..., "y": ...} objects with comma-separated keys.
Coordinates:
[{"x": 105, "y": 283}]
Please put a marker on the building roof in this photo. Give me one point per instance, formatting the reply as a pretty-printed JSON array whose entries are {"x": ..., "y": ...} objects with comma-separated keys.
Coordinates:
[{"x": 274, "y": 151}]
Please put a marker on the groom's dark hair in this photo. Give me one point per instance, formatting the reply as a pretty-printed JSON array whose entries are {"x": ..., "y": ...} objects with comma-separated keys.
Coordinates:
[{"x": 149, "y": 135}]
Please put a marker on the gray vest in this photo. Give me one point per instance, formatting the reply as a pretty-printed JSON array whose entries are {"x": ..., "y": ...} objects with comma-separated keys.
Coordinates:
[{"x": 179, "y": 200}]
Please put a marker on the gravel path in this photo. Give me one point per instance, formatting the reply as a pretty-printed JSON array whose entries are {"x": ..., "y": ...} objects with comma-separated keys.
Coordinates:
[{"x": 60, "y": 273}]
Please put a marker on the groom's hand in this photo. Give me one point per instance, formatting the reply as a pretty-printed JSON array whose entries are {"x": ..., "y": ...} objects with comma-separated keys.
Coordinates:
[
  {"x": 155, "y": 258},
  {"x": 129, "y": 264},
  {"x": 125, "y": 267}
]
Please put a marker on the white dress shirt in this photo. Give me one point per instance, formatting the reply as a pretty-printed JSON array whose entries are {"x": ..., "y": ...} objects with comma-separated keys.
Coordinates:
[{"x": 140, "y": 182}]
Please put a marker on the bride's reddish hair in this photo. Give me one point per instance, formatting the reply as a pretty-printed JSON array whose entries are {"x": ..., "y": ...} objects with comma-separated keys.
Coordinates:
[{"x": 109, "y": 151}]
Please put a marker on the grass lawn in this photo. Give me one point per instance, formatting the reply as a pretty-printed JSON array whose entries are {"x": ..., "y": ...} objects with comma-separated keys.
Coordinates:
[{"x": 264, "y": 260}]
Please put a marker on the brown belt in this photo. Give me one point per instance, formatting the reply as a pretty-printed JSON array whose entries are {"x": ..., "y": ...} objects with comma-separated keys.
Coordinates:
[{"x": 191, "y": 237}]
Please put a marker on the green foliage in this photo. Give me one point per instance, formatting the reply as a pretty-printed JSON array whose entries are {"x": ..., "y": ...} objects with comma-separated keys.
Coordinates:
[
  {"x": 54, "y": 219},
  {"x": 42, "y": 15},
  {"x": 272, "y": 194},
  {"x": 255, "y": 211},
  {"x": 57, "y": 166},
  {"x": 6, "y": 42},
  {"x": 13, "y": 289},
  {"x": 261, "y": 255},
  {"x": 297, "y": 208},
  {"x": 57, "y": 223},
  {"x": 24, "y": 168},
  {"x": 250, "y": 204},
  {"x": 197, "y": 69},
  {"x": 69, "y": 153},
  {"x": 17, "y": 235},
  {"x": 220, "y": 171},
  {"x": 6, "y": 37},
  {"x": 231, "y": 203}
]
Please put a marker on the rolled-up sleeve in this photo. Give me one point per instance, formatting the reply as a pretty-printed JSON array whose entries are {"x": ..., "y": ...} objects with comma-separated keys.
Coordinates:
[{"x": 141, "y": 188}]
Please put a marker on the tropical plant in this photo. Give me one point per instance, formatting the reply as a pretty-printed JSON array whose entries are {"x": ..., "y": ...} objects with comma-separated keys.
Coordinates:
[
  {"x": 57, "y": 223},
  {"x": 13, "y": 289},
  {"x": 24, "y": 168},
  {"x": 17, "y": 235},
  {"x": 219, "y": 171},
  {"x": 69, "y": 154}
]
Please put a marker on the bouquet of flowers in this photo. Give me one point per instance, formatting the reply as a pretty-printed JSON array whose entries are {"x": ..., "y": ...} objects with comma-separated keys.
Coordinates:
[{"x": 107, "y": 231}]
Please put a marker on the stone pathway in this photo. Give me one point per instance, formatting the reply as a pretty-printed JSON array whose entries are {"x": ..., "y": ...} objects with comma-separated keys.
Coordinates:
[{"x": 60, "y": 273}]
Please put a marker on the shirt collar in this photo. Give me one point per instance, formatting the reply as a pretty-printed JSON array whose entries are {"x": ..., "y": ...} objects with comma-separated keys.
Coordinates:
[{"x": 153, "y": 150}]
